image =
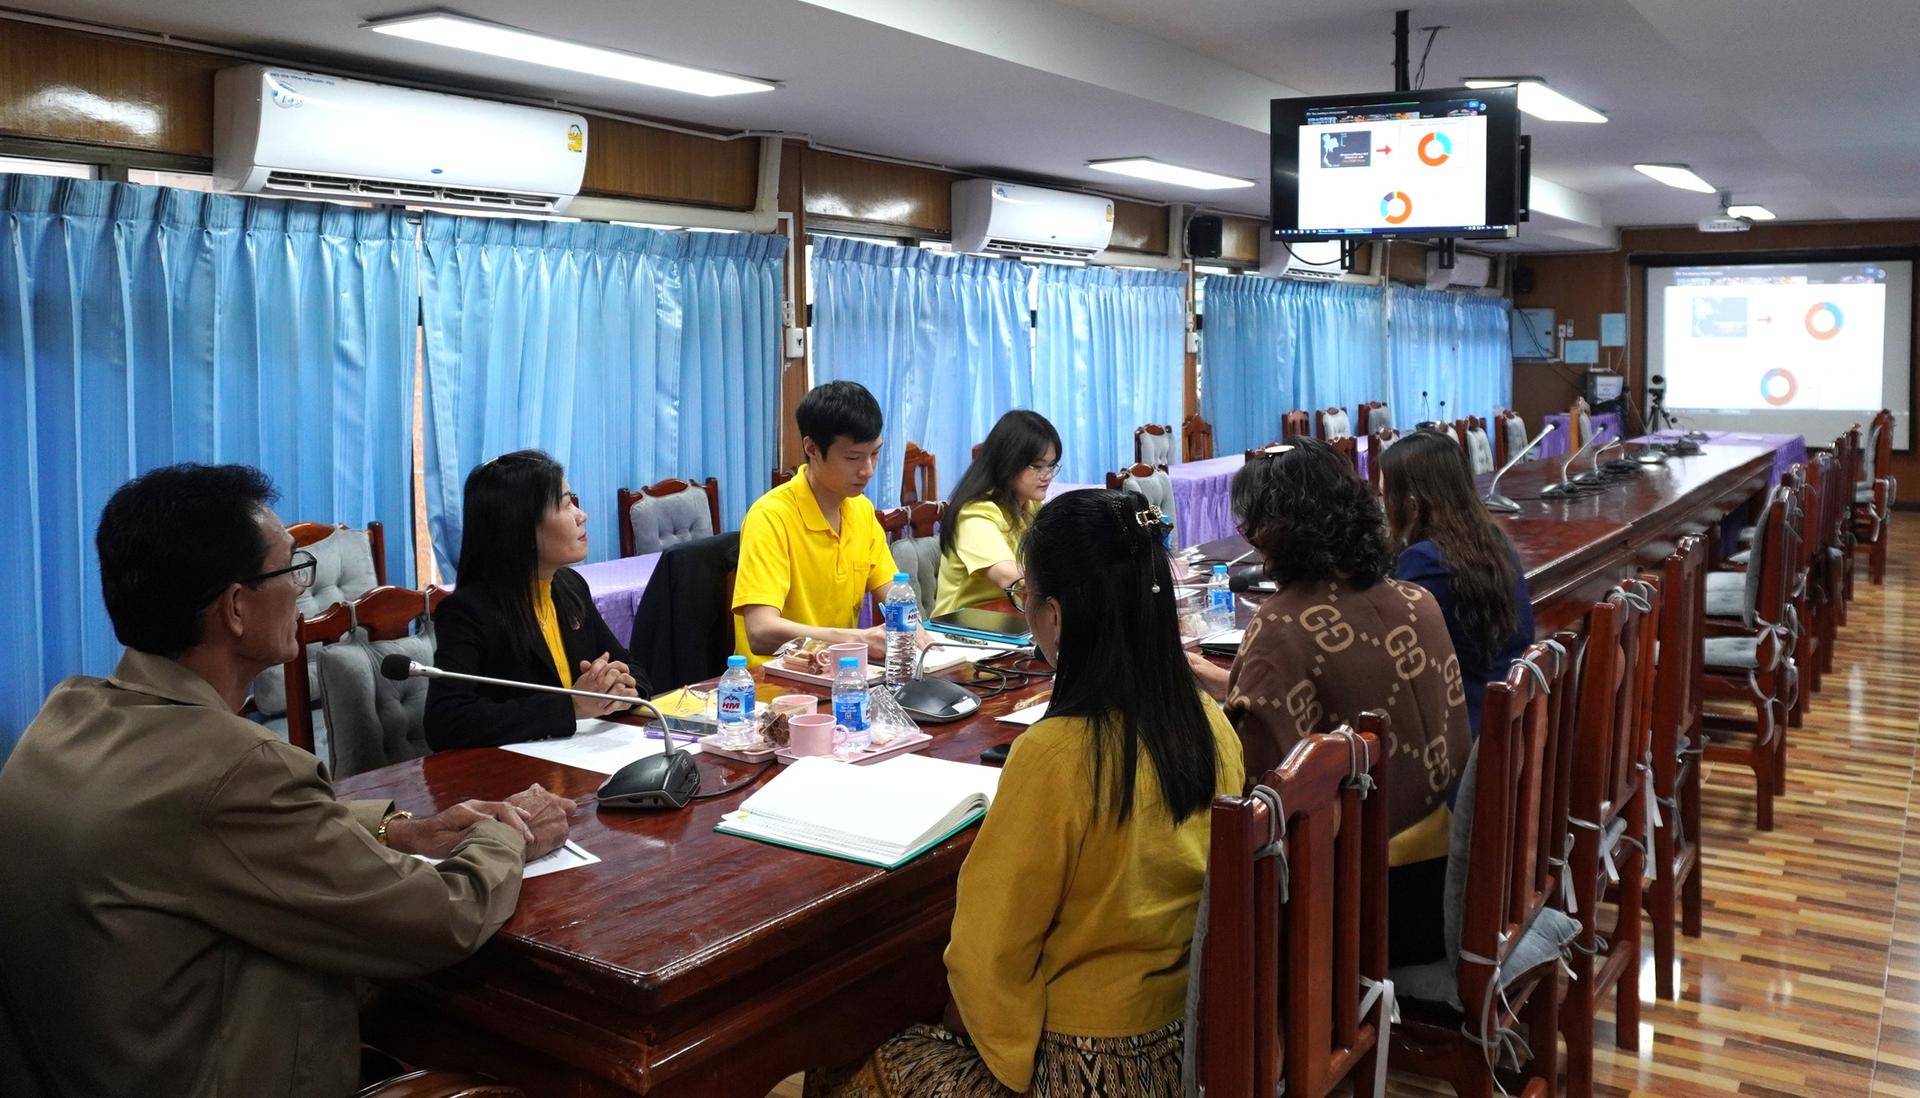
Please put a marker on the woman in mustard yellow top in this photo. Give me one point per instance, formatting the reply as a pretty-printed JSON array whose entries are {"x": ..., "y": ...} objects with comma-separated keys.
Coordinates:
[
  {"x": 518, "y": 612},
  {"x": 1068, "y": 961},
  {"x": 991, "y": 507}
]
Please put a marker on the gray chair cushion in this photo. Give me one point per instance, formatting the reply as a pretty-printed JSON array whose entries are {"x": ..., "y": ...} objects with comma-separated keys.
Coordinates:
[
  {"x": 1339, "y": 425},
  {"x": 1156, "y": 449},
  {"x": 1516, "y": 436},
  {"x": 1438, "y": 981},
  {"x": 1741, "y": 558},
  {"x": 1863, "y": 493},
  {"x": 373, "y": 721},
  {"x": 1379, "y": 419},
  {"x": 1868, "y": 449},
  {"x": 661, "y": 522},
  {"x": 1726, "y": 595},
  {"x": 1586, "y": 428},
  {"x": 920, "y": 558},
  {"x": 343, "y": 570},
  {"x": 1746, "y": 534},
  {"x": 1480, "y": 451},
  {"x": 1733, "y": 653},
  {"x": 1158, "y": 489}
]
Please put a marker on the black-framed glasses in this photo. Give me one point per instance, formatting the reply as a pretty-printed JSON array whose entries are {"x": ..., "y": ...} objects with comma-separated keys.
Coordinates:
[
  {"x": 302, "y": 570},
  {"x": 1017, "y": 594}
]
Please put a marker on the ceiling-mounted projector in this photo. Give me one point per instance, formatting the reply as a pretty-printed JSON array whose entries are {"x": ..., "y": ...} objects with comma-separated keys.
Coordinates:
[{"x": 1724, "y": 223}]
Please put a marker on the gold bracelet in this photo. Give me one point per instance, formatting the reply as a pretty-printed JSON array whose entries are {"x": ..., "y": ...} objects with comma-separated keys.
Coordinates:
[{"x": 380, "y": 834}]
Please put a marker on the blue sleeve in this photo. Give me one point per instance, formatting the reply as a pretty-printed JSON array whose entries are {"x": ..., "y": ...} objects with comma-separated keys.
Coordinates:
[{"x": 1420, "y": 563}]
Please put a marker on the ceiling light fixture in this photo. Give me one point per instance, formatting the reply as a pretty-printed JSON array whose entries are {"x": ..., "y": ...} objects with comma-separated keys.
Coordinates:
[
  {"x": 461, "y": 33},
  {"x": 1675, "y": 175},
  {"x": 1146, "y": 167},
  {"x": 1539, "y": 100},
  {"x": 1750, "y": 212}
]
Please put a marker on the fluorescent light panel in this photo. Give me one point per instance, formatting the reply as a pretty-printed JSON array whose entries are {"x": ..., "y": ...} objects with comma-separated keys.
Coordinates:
[
  {"x": 1539, "y": 100},
  {"x": 1750, "y": 212},
  {"x": 460, "y": 33},
  {"x": 1675, "y": 175},
  {"x": 1146, "y": 167}
]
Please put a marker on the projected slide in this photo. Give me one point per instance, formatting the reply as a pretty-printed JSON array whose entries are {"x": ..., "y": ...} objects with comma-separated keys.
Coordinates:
[
  {"x": 1393, "y": 170},
  {"x": 1806, "y": 348}
]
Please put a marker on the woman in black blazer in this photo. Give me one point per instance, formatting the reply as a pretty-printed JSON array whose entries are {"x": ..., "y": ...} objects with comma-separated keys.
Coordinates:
[{"x": 518, "y": 612}]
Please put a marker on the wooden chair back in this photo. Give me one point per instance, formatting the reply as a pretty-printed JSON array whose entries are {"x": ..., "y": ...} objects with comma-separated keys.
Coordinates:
[
  {"x": 1502, "y": 451},
  {"x": 1377, "y": 444},
  {"x": 1363, "y": 417},
  {"x": 1296, "y": 921},
  {"x": 1146, "y": 436},
  {"x": 975, "y": 454},
  {"x": 1465, "y": 424},
  {"x": 1678, "y": 694},
  {"x": 386, "y": 613},
  {"x": 1321, "y": 426},
  {"x": 923, "y": 518},
  {"x": 1883, "y": 443},
  {"x": 781, "y": 476},
  {"x": 1117, "y": 481},
  {"x": 1519, "y": 825},
  {"x": 624, "y": 499},
  {"x": 1349, "y": 448},
  {"x": 893, "y": 522},
  {"x": 1576, "y": 437},
  {"x": 1196, "y": 438},
  {"x": 306, "y": 533},
  {"x": 1610, "y": 740},
  {"x": 918, "y": 481},
  {"x": 1296, "y": 422}
]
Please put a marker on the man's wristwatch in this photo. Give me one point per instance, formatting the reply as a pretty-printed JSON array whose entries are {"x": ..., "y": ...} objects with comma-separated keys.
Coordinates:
[{"x": 380, "y": 833}]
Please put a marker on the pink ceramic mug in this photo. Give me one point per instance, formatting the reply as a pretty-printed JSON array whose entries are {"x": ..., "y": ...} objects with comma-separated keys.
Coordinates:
[
  {"x": 796, "y": 705},
  {"x": 810, "y": 734},
  {"x": 836, "y": 651}
]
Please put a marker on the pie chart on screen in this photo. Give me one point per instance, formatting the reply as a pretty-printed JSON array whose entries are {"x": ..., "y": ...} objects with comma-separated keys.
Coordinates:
[
  {"x": 1392, "y": 199},
  {"x": 1777, "y": 386},
  {"x": 1434, "y": 149},
  {"x": 1824, "y": 320}
]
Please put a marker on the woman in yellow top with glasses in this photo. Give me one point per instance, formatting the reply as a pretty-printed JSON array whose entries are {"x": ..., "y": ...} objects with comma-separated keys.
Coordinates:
[{"x": 992, "y": 507}]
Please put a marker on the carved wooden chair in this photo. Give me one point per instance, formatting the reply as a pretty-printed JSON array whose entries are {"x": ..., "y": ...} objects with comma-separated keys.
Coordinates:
[
  {"x": 1873, "y": 496},
  {"x": 918, "y": 481},
  {"x": 1748, "y": 664},
  {"x": 1371, "y": 416},
  {"x": 1196, "y": 438},
  {"x": 1348, "y": 447},
  {"x": 1673, "y": 895},
  {"x": 1509, "y": 436},
  {"x": 781, "y": 476},
  {"x": 370, "y": 721},
  {"x": 1579, "y": 424},
  {"x": 1377, "y": 444},
  {"x": 1332, "y": 423},
  {"x": 1471, "y": 433},
  {"x": 1296, "y": 422},
  {"x": 665, "y": 514},
  {"x": 1295, "y": 955},
  {"x": 1153, "y": 444}
]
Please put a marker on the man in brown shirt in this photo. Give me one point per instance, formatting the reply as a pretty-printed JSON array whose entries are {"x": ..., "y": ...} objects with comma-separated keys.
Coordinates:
[{"x": 186, "y": 904}]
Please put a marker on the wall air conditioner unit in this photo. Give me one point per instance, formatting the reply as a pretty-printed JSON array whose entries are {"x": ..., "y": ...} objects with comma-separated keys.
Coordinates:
[
  {"x": 1315, "y": 260},
  {"x": 281, "y": 132},
  {"x": 1015, "y": 219},
  {"x": 1471, "y": 271}
]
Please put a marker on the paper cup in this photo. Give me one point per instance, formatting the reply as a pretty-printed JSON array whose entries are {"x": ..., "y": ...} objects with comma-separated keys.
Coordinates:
[
  {"x": 810, "y": 734},
  {"x": 838, "y": 651},
  {"x": 796, "y": 705}
]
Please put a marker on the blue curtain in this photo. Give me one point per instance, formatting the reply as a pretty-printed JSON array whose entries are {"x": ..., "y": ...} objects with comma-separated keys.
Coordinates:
[
  {"x": 630, "y": 355},
  {"x": 1453, "y": 346},
  {"x": 1108, "y": 357},
  {"x": 1273, "y": 345},
  {"x": 941, "y": 340},
  {"x": 141, "y": 326}
]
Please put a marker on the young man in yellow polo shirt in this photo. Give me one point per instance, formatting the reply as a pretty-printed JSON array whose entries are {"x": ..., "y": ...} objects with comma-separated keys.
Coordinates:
[{"x": 811, "y": 549}]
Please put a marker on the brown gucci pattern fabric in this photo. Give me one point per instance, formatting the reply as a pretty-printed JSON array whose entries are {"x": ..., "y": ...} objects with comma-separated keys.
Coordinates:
[{"x": 930, "y": 1062}]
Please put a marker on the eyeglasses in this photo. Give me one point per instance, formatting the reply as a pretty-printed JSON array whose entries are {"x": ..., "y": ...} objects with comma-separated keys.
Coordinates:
[
  {"x": 302, "y": 570},
  {"x": 1044, "y": 468},
  {"x": 1017, "y": 593}
]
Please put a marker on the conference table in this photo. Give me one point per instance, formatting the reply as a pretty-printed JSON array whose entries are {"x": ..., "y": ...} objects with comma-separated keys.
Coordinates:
[{"x": 688, "y": 962}]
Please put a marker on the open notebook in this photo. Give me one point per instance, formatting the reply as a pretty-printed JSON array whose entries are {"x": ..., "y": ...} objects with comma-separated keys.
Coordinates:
[{"x": 884, "y": 814}]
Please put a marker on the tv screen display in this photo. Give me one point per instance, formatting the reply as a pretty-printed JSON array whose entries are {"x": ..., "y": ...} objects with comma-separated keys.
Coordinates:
[{"x": 1440, "y": 162}]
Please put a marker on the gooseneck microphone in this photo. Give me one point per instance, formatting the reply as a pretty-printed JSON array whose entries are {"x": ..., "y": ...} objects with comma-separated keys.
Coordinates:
[
  {"x": 667, "y": 780},
  {"x": 1496, "y": 502}
]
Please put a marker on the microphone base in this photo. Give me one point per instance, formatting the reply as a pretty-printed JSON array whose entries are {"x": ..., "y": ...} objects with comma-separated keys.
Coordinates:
[
  {"x": 1650, "y": 457},
  {"x": 1501, "y": 505},
  {"x": 1564, "y": 488},
  {"x": 1696, "y": 436}
]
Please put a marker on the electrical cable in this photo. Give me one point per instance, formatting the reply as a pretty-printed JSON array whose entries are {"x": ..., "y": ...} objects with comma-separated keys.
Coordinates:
[{"x": 1420, "y": 78}]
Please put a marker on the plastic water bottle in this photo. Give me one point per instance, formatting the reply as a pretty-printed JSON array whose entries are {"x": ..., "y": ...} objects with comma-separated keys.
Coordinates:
[
  {"x": 903, "y": 617},
  {"x": 1219, "y": 601},
  {"x": 850, "y": 706},
  {"x": 733, "y": 703}
]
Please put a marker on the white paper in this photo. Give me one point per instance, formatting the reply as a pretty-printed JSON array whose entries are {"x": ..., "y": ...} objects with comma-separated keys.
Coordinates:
[
  {"x": 1225, "y": 636},
  {"x": 569, "y": 855},
  {"x": 879, "y": 811},
  {"x": 942, "y": 658},
  {"x": 1028, "y": 716},
  {"x": 596, "y": 745}
]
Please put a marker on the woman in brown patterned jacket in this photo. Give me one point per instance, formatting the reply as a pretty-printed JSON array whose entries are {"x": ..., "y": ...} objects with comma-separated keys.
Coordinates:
[{"x": 1340, "y": 637}]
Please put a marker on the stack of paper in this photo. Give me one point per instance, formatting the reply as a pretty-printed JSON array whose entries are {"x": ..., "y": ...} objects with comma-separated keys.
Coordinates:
[{"x": 884, "y": 814}]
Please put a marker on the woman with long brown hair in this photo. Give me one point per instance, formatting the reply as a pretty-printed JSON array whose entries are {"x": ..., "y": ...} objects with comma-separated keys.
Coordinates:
[{"x": 1447, "y": 543}]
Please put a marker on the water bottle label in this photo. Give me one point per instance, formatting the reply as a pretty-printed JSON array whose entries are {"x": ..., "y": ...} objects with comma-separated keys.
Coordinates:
[
  {"x": 901, "y": 616},
  {"x": 736, "y": 703},
  {"x": 850, "y": 710},
  {"x": 1220, "y": 600}
]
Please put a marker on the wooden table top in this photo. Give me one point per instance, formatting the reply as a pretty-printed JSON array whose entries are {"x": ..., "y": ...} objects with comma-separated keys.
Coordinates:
[{"x": 642, "y": 967}]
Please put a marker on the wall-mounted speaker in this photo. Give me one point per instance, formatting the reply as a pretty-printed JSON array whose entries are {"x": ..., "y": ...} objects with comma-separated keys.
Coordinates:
[
  {"x": 1522, "y": 280},
  {"x": 1204, "y": 236}
]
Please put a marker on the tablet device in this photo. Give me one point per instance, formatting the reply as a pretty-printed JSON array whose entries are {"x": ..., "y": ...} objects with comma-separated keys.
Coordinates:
[{"x": 988, "y": 625}]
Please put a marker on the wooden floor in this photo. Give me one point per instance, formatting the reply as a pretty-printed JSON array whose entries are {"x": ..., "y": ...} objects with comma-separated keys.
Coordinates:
[{"x": 1807, "y": 978}]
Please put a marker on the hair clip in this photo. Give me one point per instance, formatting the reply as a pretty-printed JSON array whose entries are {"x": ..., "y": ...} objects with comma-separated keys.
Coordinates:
[
  {"x": 1274, "y": 450},
  {"x": 1150, "y": 517}
]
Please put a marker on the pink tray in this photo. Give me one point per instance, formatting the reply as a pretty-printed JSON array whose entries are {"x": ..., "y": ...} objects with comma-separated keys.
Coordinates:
[
  {"x": 708, "y": 746},
  {"x": 912, "y": 741},
  {"x": 779, "y": 669}
]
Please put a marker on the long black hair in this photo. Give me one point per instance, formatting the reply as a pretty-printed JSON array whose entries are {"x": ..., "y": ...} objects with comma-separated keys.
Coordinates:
[
  {"x": 502, "y": 506},
  {"x": 1119, "y": 666},
  {"x": 1018, "y": 440},
  {"x": 1430, "y": 497},
  {"x": 1310, "y": 516}
]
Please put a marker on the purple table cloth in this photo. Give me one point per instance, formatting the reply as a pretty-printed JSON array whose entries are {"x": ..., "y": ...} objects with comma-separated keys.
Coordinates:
[
  {"x": 1202, "y": 498},
  {"x": 1606, "y": 425},
  {"x": 1787, "y": 449},
  {"x": 617, "y": 586}
]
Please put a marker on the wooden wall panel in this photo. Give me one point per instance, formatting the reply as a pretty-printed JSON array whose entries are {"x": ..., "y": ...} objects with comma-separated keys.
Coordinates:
[
  {"x": 90, "y": 89},
  {"x": 1578, "y": 288},
  {"x": 878, "y": 192},
  {"x": 1240, "y": 238},
  {"x": 1139, "y": 227},
  {"x": 627, "y": 160}
]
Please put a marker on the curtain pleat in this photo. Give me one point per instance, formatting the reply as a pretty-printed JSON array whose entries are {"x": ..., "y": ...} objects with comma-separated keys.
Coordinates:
[
  {"x": 1455, "y": 348},
  {"x": 940, "y": 340},
  {"x": 141, "y": 326},
  {"x": 631, "y": 355},
  {"x": 1273, "y": 345},
  {"x": 1109, "y": 356}
]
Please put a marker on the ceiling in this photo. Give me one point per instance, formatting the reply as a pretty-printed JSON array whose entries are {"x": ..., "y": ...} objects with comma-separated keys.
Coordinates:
[{"x": 1764, "y": 99}]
